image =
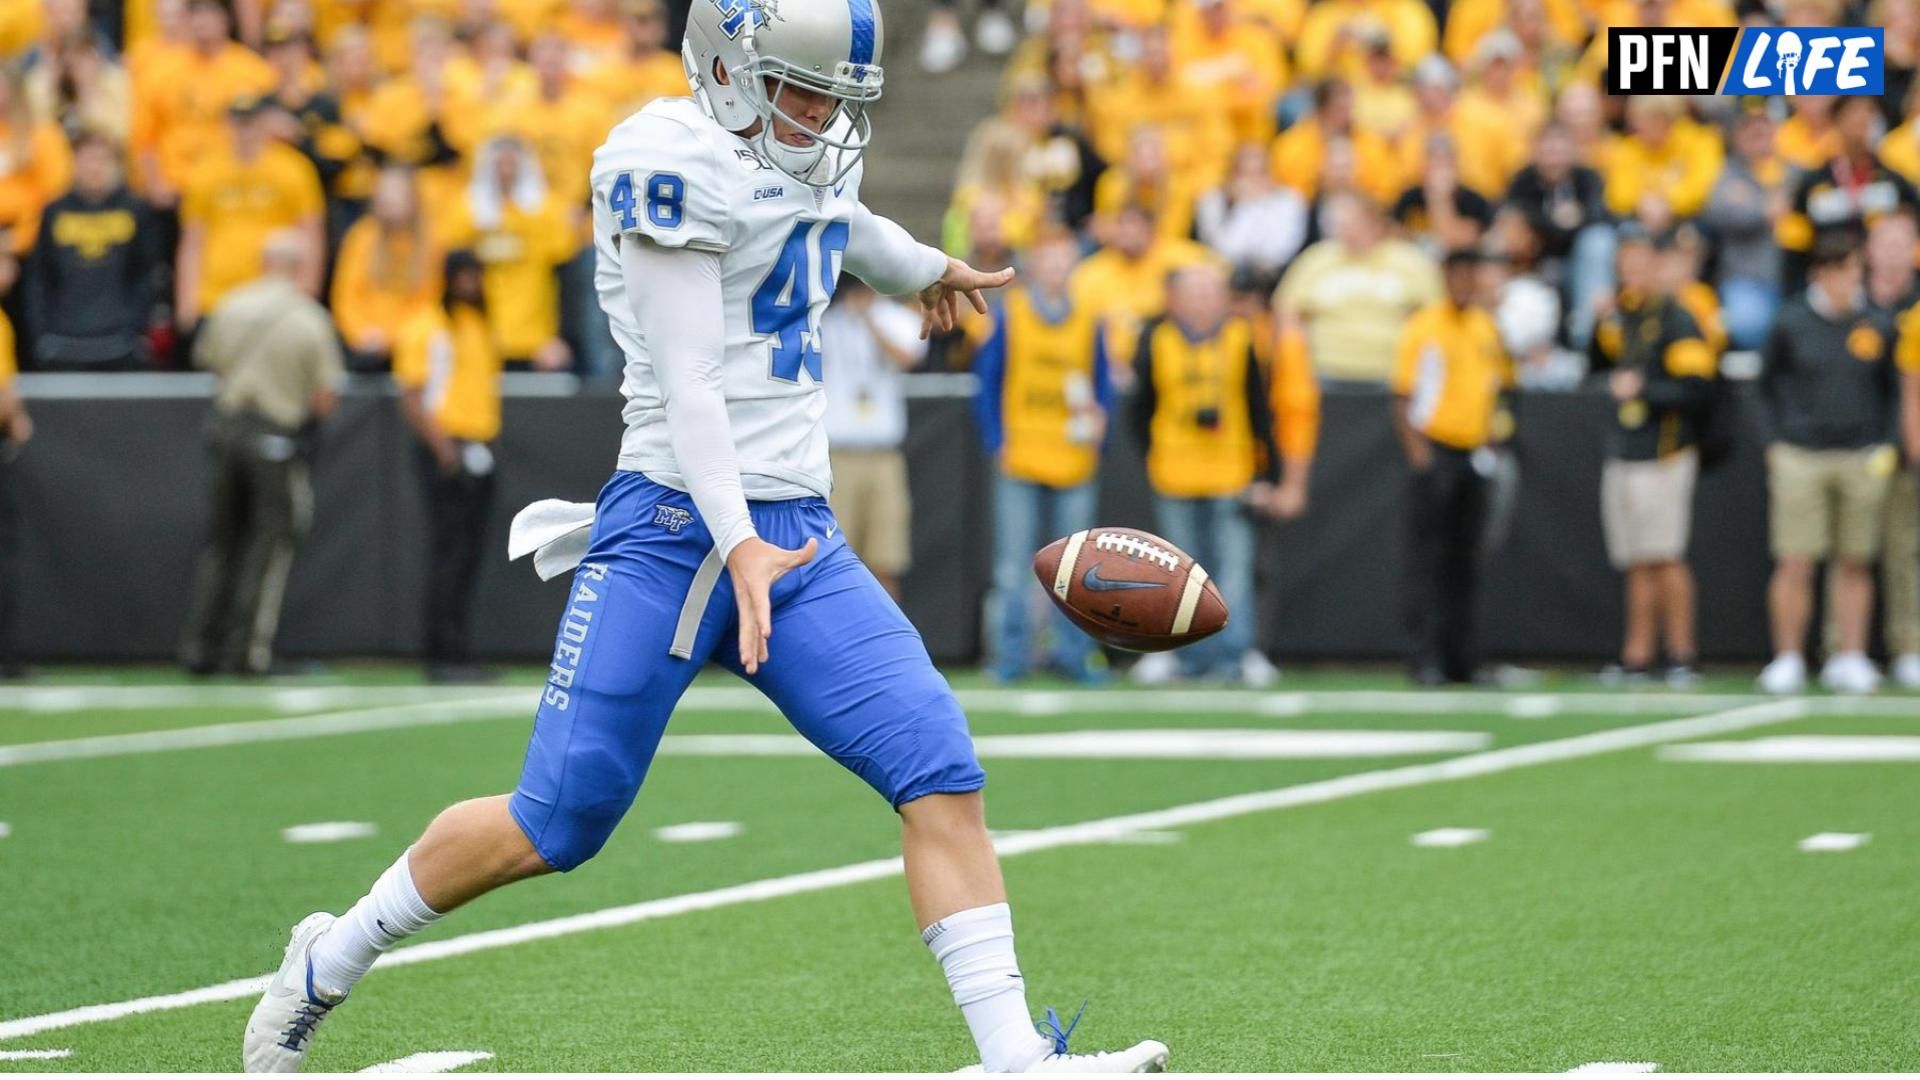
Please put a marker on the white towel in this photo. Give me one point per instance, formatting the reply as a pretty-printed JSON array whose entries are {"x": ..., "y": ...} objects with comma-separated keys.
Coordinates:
[{"x": 555, "y": 532}]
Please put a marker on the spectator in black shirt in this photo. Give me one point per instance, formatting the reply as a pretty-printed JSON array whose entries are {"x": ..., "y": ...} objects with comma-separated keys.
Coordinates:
[
  {"x": 1565, "y": 202},
  {"x": 1852, "y": 190},
  {"x": 92, "y": 281},
  {"x": 311, "y": 115},
  {"x": 1439, "y": 212},
  {"x": 1831, "y": 396}
]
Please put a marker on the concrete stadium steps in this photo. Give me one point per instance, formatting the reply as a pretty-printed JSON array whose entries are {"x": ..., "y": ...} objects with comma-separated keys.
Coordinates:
[{"x": 922, "y": 124}]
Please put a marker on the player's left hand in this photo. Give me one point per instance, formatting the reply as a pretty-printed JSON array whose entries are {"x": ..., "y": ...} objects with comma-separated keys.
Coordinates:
[
  {"x": 940, "y": 301},
  {"x": 755, "y": 565}
]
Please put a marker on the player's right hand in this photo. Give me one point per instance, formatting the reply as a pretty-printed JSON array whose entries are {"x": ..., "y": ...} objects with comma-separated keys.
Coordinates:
[{"x": 755, "y": 565}]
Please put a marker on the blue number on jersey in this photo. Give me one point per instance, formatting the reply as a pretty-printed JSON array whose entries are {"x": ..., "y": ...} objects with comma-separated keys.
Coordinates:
[
  {"x": 620, "y": 200},
  {"x": 782, "y": 302},
  {"x": 666, "y": 195},
  {"x": 666, "y": 198}
]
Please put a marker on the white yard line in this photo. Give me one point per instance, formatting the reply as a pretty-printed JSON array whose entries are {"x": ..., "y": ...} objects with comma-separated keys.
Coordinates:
[
  {"x": 519, "y": 703},
  {"x": 328, "y": 832},
  {"x": 431, "y": 1061},
  {"x": 1801, "y": 749},
  {"x": 1617, "y": 1067},
  {"x": 1835, "y": 841},
  {"x": 425, "y": 714},
  {"x": 1449, "y": 837},
  {"x": 1187, "y": 744},
  {"x": 285, "y": 699},
  {"x": 1103, "y": 830},
  {"x": 34, "y": 1055}
]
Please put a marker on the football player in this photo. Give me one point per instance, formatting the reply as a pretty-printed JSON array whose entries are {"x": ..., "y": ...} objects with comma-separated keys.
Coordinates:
[{"x": 722, "y": 222}]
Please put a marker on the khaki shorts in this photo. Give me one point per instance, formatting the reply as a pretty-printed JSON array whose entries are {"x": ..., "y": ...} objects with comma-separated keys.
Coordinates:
[
  {"x": 1827, "y": 502},
  {"x": 1646, "y": 509},
  {"x": 871, "y": 503}
]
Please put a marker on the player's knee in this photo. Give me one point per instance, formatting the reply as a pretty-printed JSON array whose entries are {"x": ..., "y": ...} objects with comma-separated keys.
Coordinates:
[
  {"x": 941, "y": 761},
  {"x": 600, "y": 788}
]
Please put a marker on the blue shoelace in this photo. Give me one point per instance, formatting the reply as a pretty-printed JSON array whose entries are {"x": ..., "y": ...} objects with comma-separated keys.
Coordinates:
[
  {"x": 311, "y": 1013},
  {"x": 1050, "y": 1027}
]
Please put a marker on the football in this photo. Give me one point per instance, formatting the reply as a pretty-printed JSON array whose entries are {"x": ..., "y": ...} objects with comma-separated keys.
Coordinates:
[{"x": 1131, "y": 589}]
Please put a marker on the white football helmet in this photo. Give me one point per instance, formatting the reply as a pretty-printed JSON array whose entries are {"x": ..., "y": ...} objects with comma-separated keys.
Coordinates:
[{"x": 829, "y": 46}]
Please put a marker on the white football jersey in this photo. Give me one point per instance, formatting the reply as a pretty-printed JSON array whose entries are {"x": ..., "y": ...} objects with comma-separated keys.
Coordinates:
[{"x": 673, "y": 175}]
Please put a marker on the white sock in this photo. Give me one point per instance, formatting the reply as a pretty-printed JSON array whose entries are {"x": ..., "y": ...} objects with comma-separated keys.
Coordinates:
[
  {"x": 975, "y": 947},
  {"x": 390, "y": 913}
]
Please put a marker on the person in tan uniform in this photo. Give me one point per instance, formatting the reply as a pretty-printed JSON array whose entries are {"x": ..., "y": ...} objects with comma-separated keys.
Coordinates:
[{"x": 277, "y": 359}]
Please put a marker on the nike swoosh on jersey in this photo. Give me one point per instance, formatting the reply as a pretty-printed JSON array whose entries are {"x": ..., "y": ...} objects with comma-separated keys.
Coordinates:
[{"x": 1094, "y": 581}]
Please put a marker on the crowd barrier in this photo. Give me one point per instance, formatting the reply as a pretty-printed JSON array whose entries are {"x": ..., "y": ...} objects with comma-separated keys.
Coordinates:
[{"x": 113, "y": 500}]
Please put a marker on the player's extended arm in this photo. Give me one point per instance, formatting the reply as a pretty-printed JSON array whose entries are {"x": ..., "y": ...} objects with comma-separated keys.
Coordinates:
[
  {"x": 676, "y": 299},
  {"x": 885, "y": 256}
]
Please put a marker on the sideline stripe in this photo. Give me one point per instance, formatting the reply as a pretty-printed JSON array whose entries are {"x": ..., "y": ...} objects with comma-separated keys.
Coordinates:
[
  {"x": 519, "y": 704},
  {"x": 431, "y": 1061},
  {"x": 1100, "y": 831},
  {"x": 426, "y": 714}
]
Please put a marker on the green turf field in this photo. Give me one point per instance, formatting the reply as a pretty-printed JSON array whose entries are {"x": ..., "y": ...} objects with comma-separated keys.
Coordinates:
[{"x": 1267, "y": 912}]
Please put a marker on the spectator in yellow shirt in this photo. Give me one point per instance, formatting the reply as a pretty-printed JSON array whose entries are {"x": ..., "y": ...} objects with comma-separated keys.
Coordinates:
[
  {"x": 79, "y": 88},
  {"x": 1299, "y": 154},
  {"x": 1450, "y": 372},
  {"x": 647, "y": 70},
  {"x": 521, "y": 232},
  {"x": 388, "y": 268},
  {"x": 565, "y": 123},
  {"x": 1808, "y": 138},
  {"x": 1383, "y": 101},
  {"x": 36, "y": 165},
  {"x": 1125, "y": 282},
  {"x": 1326, "y": 44},
  {"x": 593, "y": 32},
  {"x": 1664, "y": 167},
  {"x": 1900, "y": 147},
  {"x": 1435, "y": 89},
  {"x": 233, "y": 203},
  {"x": 1231, "y": 59},
  {"x": 1497, "y": 115},
  {"x": 994, "y": 168},
  {"x": 448, "y": 370},
  {"x": 1156, "y": 91},
  {"x": 1348, "y": 296},
  {"x": 182, "y": 105},
  {"x": 1470, "y": 21},
  {"x": 1146, "y": 178}
]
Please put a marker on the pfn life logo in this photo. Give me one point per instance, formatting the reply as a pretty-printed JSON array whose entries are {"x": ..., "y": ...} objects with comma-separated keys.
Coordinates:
[{"x": 1770, "y": 60}]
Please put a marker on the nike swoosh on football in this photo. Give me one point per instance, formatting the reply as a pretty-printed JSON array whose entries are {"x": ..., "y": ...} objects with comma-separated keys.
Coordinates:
[{"x": 1094, "y": 581}]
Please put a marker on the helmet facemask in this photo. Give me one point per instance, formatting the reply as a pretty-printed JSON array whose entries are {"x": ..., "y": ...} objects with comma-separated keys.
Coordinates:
[{"x": 842, "y": 138}]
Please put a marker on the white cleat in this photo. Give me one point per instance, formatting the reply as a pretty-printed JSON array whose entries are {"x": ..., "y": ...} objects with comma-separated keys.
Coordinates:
[
  {"x": 1906, "y": 671},
  {"x": 995, "y": 34},
  {"x": 1146, "y": 1057},
  {"x": 280, "y": 1031},
  {"x": 1850, "y": 673},
  {"x": 1785, "y": 676}
]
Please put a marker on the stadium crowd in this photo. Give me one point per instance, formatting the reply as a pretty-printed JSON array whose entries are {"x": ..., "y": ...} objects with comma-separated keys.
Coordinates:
[{"x": 1221, "y": 208}]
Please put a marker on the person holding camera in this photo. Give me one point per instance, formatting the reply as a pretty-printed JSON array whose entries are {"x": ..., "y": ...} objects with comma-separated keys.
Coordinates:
[{"x": 1201, "y": 412}]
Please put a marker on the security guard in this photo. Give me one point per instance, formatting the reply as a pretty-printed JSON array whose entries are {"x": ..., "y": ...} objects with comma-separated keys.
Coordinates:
[
  {"x": 1201, "y": 410},
  {"x": 278, "y": 362},
  {"x": 1660, "y": 368},
  {"x": 1450, "y": 374},
  {"x": 1045, "y": 395},
  {"x": 16, "y": 427},
  {"x": 448, "y": 368}
]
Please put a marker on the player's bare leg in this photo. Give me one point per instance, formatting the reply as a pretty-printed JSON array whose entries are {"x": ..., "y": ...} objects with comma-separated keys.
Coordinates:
[
  {"x": 960, "y": 901},
  {"x": 471, "y": 849}
]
